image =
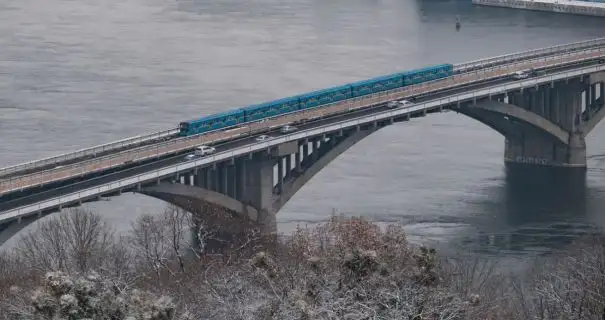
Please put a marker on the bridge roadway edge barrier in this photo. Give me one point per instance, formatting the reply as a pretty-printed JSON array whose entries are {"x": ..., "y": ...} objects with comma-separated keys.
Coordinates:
[
  {"x": 368, "y": 97},
  {"x": 130, "y": 182},
  {"x": 87, "y": 152},
  {"x": 461, "y": 67}
]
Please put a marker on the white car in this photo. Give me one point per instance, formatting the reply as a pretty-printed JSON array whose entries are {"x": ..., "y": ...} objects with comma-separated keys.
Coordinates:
[
  {"x": 393, "y": 104},
  {"x": 262, "y": 137},
  {"x": 520, "y": 75},
  {"x": 288, "y": 128},
  {"x": 190, "y": 156},
  {"x": 397, "y": 104},
  {"x": 204, "y": 150},
  {"x": 405, "y": 103}
]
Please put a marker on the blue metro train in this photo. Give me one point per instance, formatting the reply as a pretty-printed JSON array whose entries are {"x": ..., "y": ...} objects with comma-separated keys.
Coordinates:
[{"x": 313, "y": 99}]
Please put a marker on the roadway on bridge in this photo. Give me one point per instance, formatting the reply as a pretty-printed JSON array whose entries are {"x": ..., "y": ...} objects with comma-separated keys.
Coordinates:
[
  {"x": 80, "y": 159},
  {"x": 113, "y": 162},
  {"x": 225, "y": 146}
]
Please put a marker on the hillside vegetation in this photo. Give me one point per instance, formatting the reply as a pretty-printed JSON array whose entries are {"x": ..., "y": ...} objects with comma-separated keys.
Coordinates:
[{"x": 73, "y": 266}]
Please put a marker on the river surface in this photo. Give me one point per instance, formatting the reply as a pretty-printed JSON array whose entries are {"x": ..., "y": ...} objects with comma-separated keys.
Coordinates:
[{"x": 79, "y": 73}]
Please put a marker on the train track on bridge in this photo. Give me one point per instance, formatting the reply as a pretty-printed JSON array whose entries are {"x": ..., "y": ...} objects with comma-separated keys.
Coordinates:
[
  {"x": 165, "y": 135},
  {"x": 131, "y": 178}
]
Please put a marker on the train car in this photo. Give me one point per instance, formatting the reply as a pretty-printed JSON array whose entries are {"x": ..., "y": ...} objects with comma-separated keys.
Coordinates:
[
  {"x": 314, "y": 99},
  {"x": 383, "y": 83},
  {"x": 272, "y": 108},
  {"x": 325, "y": 96},
  {"x": 212, "y": 122},
  {"x": 427, "y": 74}
]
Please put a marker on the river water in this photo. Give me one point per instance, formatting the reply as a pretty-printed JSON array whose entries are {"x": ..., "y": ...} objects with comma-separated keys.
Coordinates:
[{"x": 79, "y": 73}]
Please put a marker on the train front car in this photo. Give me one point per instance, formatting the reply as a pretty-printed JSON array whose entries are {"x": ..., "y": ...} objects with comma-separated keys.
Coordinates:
[
  {"x": 212, "y": 122},
  {"x": 184, "y": 128}
]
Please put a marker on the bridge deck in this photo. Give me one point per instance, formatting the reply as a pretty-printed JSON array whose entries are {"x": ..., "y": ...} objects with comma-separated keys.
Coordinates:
[
  {"x": 133, "y": 142},
  {"x": 183, "y": 144},
  {"x": 128, "y": 180}
]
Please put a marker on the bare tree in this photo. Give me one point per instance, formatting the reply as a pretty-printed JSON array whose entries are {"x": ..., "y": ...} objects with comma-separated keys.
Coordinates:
[
  {"x": 70, "y": 241},
  {"x": 150, "y": 242}
]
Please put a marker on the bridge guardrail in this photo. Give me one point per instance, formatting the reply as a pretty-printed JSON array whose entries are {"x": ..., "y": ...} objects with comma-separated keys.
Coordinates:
[
  {"x": 462, "y": 67},
  {"x": 512, "y": 57},
  {"x": 91, "y": 151},
  {"x": 184, "y": 143},
  {"x": 175, "y": 169}
]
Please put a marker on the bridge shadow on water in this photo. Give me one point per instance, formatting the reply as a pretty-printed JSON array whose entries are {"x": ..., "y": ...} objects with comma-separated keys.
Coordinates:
[{"x": 537, "y": 210}]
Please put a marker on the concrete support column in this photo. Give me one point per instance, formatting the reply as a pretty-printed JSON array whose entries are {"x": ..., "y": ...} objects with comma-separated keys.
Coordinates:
[
  {"x": 241, "y": 179},
  {"x": 305, "y": 152},
  {"x": 288, "y": 165},
  {"x": 280, "y": 175},
  {"x": 534, "y": 104},
  {"x": 297, "y": 160},
  {"x": 576, "y": 111},
  {"x": 554, "y": 105},
  {"x": 234, "y": 181},
  {"x": 315, "y": 153},
  {"x": 187, "y": 179},
  {"x": 200, "y": 178},
  {"x": 545, "y": 101},
  {"x": 211, "y": 178},
  {"x": 259, "y": 190},
  {"x": 587, "y": 98},
  {"x": 602, "y": 94},
  {"x": 225, "y": 178},
  {"x": 577, "y": 150}
]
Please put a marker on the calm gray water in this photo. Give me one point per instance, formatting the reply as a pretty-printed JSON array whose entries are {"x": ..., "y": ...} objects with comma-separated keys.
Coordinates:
[{"x": 79, "y": 73}]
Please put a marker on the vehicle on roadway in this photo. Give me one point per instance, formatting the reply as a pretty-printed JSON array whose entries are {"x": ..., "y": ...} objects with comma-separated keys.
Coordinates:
[
  {"x": 519, "y": 75},
  {"x": 190, "y": 156},
  {"x": 262, "y": 137},
  {"x": 204, "y": 150},
  {"x": 287, "y": 128},
  {"x": 405, "y": 103},
  {"x": 400, "y": 103},
  {"x": 393, "y": 104},
  {"x": 316, "y": 99},
  {"x": 524, "y": 74}
]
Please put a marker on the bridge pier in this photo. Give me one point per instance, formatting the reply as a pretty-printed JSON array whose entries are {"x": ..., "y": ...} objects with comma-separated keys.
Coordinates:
[
  {"x": 544, "y": 125},
  {"x": 560, "y": 104}
]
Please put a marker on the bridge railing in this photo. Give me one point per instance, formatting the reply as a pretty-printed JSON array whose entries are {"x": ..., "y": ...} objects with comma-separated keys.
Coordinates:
[
  {"x": 88, "y": 152},
  {"x": 181, "y": 144},
  {"x": 128, "y": 142},
  {"x": 137, "y": 179},
  {"x": 513, "y": 57}
]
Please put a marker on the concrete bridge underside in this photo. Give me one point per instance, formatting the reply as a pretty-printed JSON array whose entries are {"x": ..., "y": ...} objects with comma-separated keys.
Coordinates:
[{"x": 249, "y": 187}]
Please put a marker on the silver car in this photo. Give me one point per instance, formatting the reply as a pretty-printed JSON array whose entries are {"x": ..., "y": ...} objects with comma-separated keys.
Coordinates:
[
  {"x": 262, "y": 137},
  {"x": 190, "y": 156},
  {"x": 288, "y": 128},
  {"x": 393, "y": 104}
]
